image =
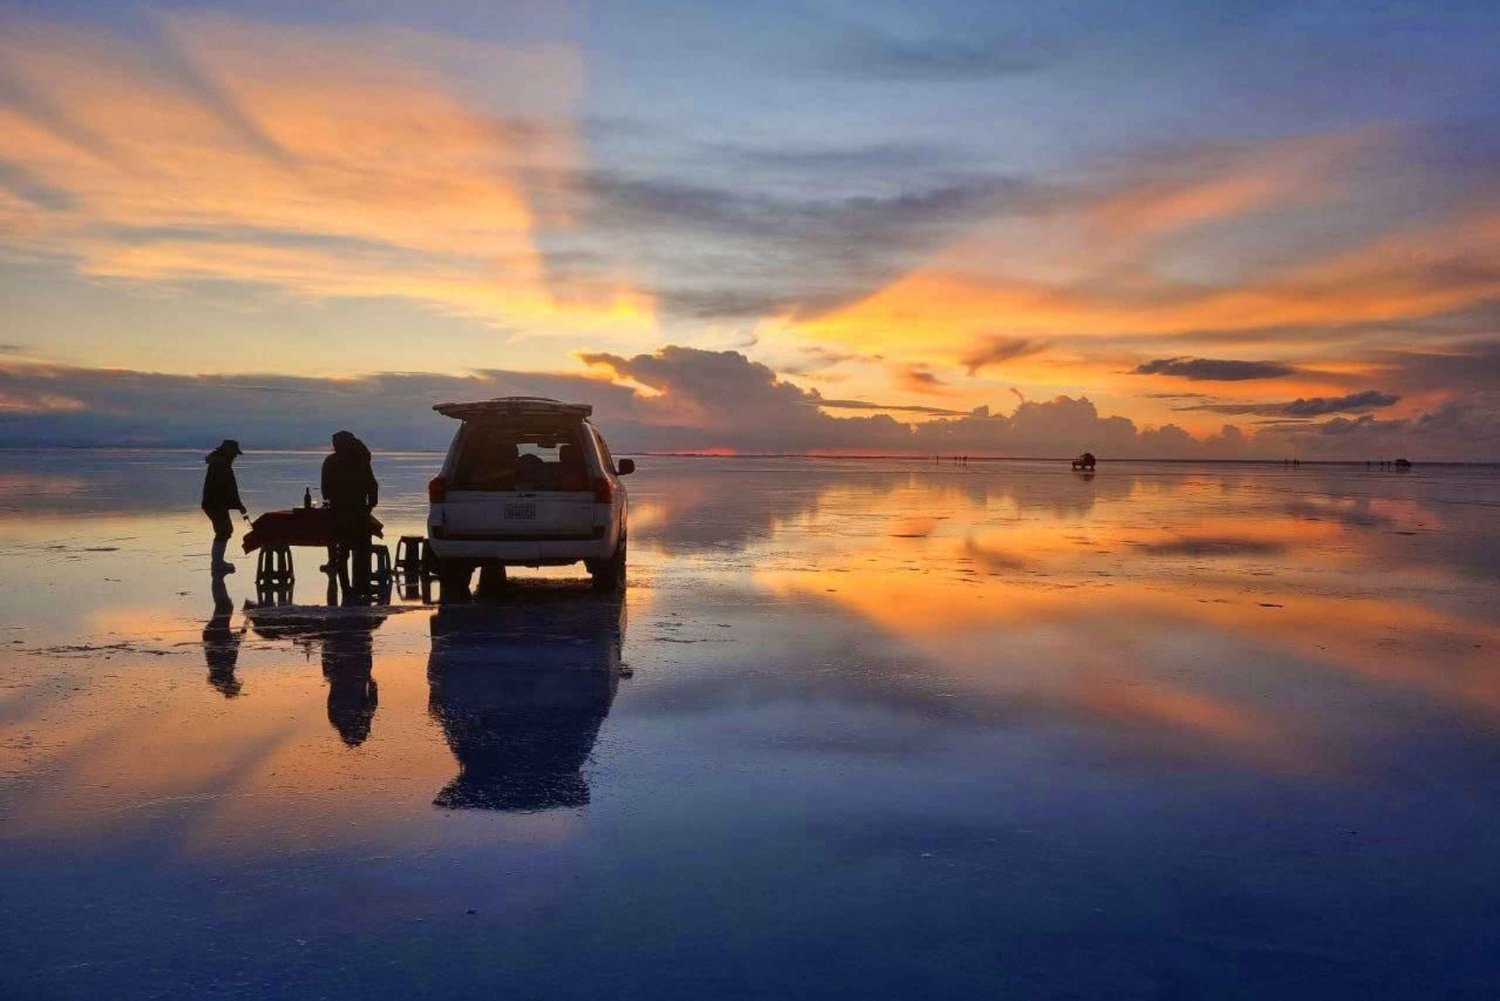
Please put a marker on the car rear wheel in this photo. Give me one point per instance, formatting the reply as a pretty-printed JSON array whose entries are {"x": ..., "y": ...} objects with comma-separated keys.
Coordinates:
[
  {"x": 453, "y": 577},
  {"x": 491, "y": 578},
  {"x": 609, "y": 575}
]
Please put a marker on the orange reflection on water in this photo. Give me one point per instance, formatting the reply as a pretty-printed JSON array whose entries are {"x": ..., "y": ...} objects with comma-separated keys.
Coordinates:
[
  {"x": 1156, "y": 615},
  {"x": 1149, "y": 703},
  {"x": 272, "y": 743}
]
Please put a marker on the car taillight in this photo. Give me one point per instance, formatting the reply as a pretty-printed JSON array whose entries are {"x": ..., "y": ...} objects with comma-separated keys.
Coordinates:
[
  {"x": 604, "y": 491},
  {"x": 437, "y": 489}
]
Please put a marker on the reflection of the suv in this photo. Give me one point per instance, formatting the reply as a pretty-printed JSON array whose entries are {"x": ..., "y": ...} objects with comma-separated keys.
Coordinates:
[
  {"x": 527, "y": 482},
  {"x": 520, "y": 690}
]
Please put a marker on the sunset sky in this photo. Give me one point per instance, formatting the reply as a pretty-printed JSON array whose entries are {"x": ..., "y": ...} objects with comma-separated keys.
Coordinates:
[{"x": 1028, "y": 229}]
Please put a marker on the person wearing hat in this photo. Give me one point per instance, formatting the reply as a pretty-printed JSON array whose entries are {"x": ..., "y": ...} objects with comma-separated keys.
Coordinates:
[{"x": 221, "y": 494}]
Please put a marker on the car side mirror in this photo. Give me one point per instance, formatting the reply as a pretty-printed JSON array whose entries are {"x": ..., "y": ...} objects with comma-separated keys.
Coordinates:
[{"x": 625, "y": 467}]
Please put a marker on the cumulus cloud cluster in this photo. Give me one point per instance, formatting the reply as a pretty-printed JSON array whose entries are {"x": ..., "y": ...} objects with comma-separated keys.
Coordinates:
[{"x": 675, "y": 399}]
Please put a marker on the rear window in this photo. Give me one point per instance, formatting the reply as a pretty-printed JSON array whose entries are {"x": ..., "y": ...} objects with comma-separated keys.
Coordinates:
[{"x": 520, "y": 455}]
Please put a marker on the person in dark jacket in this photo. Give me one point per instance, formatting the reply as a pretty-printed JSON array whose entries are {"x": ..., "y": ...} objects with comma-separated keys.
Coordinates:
[
  {"x": 221, "y": 494},
  {"x": 350, "y": 490}
]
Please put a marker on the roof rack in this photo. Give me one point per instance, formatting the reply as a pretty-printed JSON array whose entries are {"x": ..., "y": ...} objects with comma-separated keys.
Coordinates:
[{"x": 513, "y": 406}]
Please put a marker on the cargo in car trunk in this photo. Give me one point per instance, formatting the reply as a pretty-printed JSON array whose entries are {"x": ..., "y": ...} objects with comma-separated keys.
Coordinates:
[{"x": 520, "y": 478}]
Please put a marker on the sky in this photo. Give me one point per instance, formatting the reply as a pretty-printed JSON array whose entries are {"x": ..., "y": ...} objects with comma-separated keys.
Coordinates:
[{"x": 1156, "y": 229}]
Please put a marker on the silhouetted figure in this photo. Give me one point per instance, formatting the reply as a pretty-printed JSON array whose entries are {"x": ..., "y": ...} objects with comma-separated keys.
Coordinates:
[
  {"x": 221, "y": 494},
  {"x": 1084, "y": 462},
  {"x": 350, "y": 489},
  {"x": 348, "y": 666},
  {"x": 520, "y": 690},
  {"x": 221, "y": 643}
]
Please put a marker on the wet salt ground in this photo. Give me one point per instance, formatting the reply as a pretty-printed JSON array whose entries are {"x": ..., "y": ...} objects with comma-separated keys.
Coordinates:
[{"x": 892, "y": 729}]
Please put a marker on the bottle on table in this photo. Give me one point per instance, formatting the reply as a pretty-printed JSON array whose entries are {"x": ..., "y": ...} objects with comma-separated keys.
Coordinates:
[{"x": 307, "y": 498}]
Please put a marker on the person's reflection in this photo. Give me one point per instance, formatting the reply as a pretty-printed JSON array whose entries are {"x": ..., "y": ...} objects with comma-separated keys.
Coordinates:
[
  {"x": 348, "y": 663},
  {"x": 344, "y": 636},
  {"x": 520, "y": 689},
  {"x": 221, "y": 643}
]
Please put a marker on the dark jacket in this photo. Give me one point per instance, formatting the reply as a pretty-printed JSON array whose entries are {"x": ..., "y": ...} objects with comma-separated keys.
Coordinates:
[
  {"x": 220, "y": 491},
  {"x": 348, "y": 481}
]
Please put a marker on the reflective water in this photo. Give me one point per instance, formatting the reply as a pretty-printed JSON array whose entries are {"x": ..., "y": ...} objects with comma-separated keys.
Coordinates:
[{"x": 856, "y": 728}]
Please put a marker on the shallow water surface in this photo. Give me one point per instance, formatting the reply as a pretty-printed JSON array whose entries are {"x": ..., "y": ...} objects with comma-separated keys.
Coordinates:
[{"x": 864, "y": 728}]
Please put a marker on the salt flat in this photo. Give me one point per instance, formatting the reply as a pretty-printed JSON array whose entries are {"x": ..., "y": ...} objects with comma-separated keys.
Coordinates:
[{"x": 865, "y": 728}]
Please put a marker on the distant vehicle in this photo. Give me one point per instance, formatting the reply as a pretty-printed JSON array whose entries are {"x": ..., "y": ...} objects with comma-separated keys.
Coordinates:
[
  {"x": 1084, "y": 461},
  {"x": 1402, "y": 463},
  {"x": 529, "y": 482}
]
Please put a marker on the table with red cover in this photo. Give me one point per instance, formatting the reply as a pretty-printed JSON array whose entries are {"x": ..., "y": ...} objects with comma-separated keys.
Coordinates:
[{"x": 298, "y": 526}]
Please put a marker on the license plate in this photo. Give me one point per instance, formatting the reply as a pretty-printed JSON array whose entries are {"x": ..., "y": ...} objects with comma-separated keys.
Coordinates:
[{"x": 520, "y": 511}]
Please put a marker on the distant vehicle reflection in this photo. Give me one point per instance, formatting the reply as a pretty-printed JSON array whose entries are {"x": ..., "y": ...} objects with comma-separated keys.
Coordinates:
[
  {"x": 344, "y": 638},
  {"x": 520, "y": 688}
]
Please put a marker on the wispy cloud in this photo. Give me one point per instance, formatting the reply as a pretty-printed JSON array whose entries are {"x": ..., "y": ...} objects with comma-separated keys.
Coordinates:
[
  {"x": 1317, "y": 406},
  {"x": 1194, "y": 248},
  {"x": 30, "y": 188},
  {"x": 904, "y": 408},
  {"x": 868, "y": 53},
  {"x": 918, "y": 378},
  {"x": 996, "y": 349},
  {"x": 326, "y": 162},
  {"x": 1214, "y": 369},
  {"x": 720, "y": 252}
]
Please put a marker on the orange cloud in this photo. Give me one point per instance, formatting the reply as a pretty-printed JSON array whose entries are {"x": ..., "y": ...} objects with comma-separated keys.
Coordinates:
[
  {"x": 27, "y": 402},
  {"x": 918, "y": 378},
  {"x": 1198, "y": 188},
  {"x": 943, "y": 309},
  {"x": 1151, "y": 260},
  {"x": 356, "y": 162}
]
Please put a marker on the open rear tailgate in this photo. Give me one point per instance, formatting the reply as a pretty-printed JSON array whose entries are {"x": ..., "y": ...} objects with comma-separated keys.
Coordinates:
[{"x": 513, "y": 406}]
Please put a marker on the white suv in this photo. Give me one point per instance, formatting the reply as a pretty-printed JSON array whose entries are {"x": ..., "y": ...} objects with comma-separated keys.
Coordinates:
[{"x": 527, "y": 482}]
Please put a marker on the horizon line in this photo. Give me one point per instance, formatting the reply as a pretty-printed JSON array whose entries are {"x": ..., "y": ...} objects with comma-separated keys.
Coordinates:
[{"x": 909, "y": 457}]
